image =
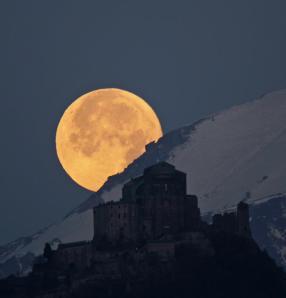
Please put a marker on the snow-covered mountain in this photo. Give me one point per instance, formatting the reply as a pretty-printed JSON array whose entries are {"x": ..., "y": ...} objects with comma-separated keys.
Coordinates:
[{"x": 232, "y": 155}]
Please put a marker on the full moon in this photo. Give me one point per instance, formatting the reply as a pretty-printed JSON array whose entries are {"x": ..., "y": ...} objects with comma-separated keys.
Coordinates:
[{"x": 102, "y": 132}]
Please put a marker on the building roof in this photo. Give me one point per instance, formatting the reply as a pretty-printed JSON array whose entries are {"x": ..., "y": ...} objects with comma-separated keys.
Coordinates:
[
  {"x": 160, "y": 167},
  {"x": 72, "y": 244}
]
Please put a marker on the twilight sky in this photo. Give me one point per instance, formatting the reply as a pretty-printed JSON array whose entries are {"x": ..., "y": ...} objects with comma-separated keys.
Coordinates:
[{"x": 186, "y": 58}]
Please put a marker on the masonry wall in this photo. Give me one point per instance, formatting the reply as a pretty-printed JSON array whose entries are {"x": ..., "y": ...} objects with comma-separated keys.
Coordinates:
[
  {"x": 152, "y": 205},
  {"x": 78, "y": 255},
  {"x": 161, "y": 201},
  {"x": 115, "y": 221}
]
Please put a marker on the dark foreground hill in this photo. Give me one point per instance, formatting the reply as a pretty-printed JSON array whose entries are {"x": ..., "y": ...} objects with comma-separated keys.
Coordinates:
[{"x": 236, "y": 268}]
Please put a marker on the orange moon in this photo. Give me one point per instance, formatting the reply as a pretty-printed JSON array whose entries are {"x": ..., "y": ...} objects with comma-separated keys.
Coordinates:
[{"x": 102, "y": 132}]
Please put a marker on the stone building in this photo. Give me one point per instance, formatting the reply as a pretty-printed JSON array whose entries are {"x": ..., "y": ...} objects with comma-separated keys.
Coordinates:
[
  {"x": 115, "y": 222},
  {"x": 236, "y": 222},
  {"x": 155, "y": 215},
  {"x": 76, "y": 254},
  {"x": 152, "y": 205}
]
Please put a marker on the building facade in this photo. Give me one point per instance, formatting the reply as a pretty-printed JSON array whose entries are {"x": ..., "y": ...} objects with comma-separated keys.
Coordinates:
[
  {"x": 152, "y": 205},
  {"x": 77, "y": 254},
  {"x": 236, "y": 222},
  {"x": 155, "y": 214}
]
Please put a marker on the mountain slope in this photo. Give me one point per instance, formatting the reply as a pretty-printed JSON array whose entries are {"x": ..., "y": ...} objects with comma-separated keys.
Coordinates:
[
  {"x": 228, "y": 156},
  {"x": 233, "y": 155}
]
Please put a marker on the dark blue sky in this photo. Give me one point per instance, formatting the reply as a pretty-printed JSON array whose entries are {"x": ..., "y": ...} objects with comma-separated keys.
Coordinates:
[{"x": 187, "y": 58}]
